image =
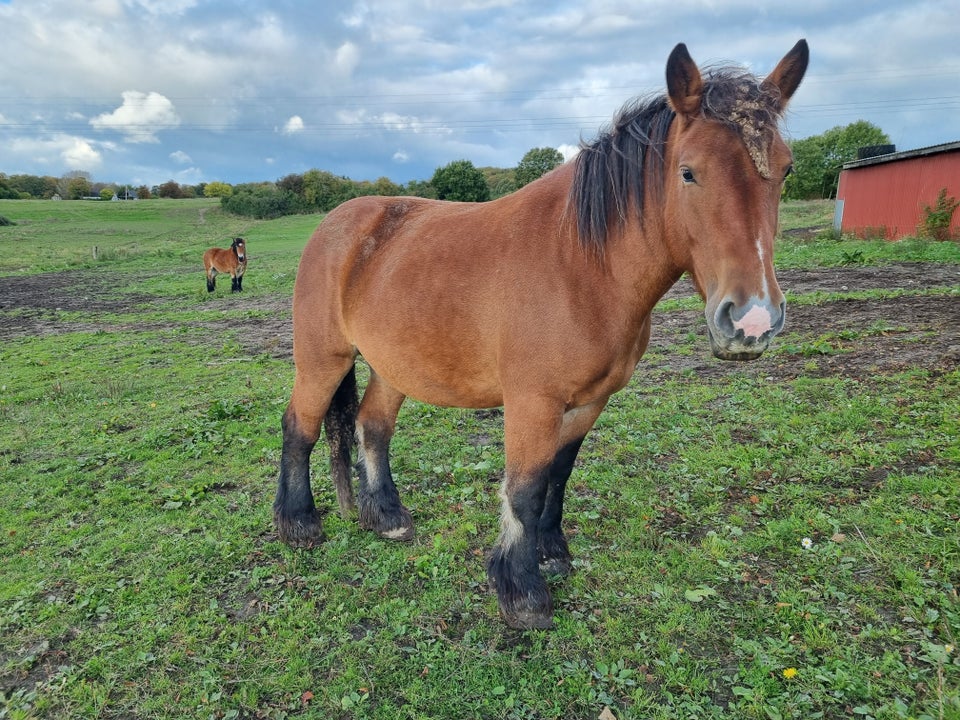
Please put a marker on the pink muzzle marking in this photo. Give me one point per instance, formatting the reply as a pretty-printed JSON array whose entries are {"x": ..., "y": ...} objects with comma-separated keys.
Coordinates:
[{"x": 755, "y": 323}]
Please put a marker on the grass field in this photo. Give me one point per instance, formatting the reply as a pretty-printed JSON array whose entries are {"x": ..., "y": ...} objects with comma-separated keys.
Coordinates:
[{"x": 772, "y": 540}]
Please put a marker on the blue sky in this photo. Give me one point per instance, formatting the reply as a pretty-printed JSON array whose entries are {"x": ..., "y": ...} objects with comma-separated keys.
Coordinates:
[{"x": 144, "y": 91}]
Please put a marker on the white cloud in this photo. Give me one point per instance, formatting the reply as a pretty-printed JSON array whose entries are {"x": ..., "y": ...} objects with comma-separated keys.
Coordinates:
[
  {"x": 181, "y": 157},
  {"x": 293, "y": 125},
  {"x": 81, "y": 155},
  {"x": 568, "y": 151},
  {"x": 346, "y": 58},
  {"x": 401, "y": 156},
  {"x": 140, "y": 116}
]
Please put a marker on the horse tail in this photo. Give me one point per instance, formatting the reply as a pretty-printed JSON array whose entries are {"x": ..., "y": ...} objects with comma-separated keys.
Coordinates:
[{"x": 340, "y": 424}]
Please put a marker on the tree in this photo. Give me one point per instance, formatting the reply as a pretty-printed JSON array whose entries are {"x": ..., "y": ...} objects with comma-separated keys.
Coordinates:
[
  {"x": 460, "y": 180},
  {"x": 817, "y": 160},
  {"x": 217, "y": 189},
  {"x": 170, "y": 189},
  {"x": 77, "y": 188},
  {"x": 74, "y": 185},
  {"x": 323, "y": 190},
  {"x": 537, "y": 163}
]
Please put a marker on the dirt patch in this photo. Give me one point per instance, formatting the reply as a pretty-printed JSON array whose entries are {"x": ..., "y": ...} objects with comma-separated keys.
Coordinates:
[
  {"x": 849, "y": 337},
  {"x": 855, "y": 338}
]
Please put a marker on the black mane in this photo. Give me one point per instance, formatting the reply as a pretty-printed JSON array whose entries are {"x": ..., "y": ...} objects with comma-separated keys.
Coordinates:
[{"x": 611, "y": 171}]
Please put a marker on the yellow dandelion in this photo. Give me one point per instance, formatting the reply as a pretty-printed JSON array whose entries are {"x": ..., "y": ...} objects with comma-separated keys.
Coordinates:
[{"x": 790, "y": 673}]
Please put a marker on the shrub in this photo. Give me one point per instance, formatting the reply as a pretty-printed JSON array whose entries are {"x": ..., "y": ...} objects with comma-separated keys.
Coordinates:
[
  {"x": 262, "y": 201},
  {"x": 937, "y": 219}
]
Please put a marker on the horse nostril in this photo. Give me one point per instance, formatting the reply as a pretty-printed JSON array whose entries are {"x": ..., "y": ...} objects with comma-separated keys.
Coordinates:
[{"x": 724, "y": 319}]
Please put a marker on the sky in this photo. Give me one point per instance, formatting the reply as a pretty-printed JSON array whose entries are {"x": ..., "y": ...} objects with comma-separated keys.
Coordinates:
[{"x": 144, "y": 91}]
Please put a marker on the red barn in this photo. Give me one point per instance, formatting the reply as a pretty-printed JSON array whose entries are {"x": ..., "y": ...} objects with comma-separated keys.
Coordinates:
[{"x": 884, "y": 196}]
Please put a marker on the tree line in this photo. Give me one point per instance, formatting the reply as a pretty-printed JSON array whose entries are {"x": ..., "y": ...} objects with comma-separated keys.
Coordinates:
[
  {"x": 817, "y": 164},
  {"x": 321, "y": 191}
]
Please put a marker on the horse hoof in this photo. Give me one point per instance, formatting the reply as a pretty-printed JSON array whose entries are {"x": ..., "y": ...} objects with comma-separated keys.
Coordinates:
[
  {"x": 400, "y": 534},
  {"x": 528, "y": 619},
  {"x": 556, "y": 567},
  {"x": 396, "y": 526},
  {"x": 304, "y": 533}
]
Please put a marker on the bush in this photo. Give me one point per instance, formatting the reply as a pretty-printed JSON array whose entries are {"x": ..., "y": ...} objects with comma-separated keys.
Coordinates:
[
  {"x": 938, "y": 218},
  {"x": 264, "y": 201}
]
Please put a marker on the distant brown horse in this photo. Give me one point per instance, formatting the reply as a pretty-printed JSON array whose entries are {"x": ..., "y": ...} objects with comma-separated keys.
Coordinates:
[
  {"x": 233, "y": 260},
  {"x": 539, "y": 301}
]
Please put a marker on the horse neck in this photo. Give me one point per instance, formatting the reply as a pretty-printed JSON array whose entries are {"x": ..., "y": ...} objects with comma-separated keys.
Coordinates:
[{"x": 634, "y": 260}]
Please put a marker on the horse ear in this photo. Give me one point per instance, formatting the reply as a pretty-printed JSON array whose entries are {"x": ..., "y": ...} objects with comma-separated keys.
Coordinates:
[
  {"x": 684, "y": 84},
  {"x": 788, "y": 73}
]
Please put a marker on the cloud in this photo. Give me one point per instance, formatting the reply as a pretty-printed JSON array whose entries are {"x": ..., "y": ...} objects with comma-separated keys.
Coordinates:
[
  {"x": 81, "y": 155},
  {"x": 347, "y": 58},
  {"x": 568, "y": 151},
  {"x": 181, "y": 157},
  {"x": 140, "y": 117},
  {"x": 401, "y": 156},
  {"x": 293, "y": 125}
]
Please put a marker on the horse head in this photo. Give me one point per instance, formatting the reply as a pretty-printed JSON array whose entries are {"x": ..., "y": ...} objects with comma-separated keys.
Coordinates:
[
  {"x": 725, "y": 164},
  {"x": 240, "y": 248}
]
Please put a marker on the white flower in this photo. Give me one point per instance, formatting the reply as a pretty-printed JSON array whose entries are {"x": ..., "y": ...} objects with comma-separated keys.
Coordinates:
[{"x": 807, "y": 543}]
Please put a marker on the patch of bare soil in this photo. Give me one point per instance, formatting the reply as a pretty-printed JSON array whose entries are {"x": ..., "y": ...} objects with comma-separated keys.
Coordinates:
[{"x": 861, "y": 337}]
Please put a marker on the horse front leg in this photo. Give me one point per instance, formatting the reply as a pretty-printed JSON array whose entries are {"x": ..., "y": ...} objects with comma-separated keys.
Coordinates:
[
  {"x": 553, "y": 552},
  {"x": 531, "y": 434},
  {"x": 378, "y": 501}
]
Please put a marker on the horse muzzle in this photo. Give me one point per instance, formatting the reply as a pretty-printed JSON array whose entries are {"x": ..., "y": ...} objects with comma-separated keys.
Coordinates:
[{"x": 743, "y": 332}]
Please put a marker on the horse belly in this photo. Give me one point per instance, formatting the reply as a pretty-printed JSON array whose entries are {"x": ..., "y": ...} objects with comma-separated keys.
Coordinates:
[{"x": 447, "y": 372}]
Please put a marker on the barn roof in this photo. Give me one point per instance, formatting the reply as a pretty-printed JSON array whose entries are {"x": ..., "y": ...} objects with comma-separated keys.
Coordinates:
[{"x": 905, "y": 155}]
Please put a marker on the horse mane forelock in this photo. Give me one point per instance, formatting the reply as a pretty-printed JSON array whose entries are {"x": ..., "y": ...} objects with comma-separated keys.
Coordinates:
[{"x": 612, "y": 171}]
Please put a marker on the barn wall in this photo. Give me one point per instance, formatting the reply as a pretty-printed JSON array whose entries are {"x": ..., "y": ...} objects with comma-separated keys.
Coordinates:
[{"x": 888, "y": 198}]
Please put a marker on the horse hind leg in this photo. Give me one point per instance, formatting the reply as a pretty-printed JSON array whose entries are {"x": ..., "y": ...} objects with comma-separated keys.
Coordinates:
[
  {"x": 211, "y": 280},
  {"x": 295, "y": 515},
  {"x": 378, "y": 501}
]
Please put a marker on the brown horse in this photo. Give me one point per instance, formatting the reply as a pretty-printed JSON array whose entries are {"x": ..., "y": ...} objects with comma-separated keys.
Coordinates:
[
  {"x": 233, "y": 260},
  {"x": 540, "y": 302}
]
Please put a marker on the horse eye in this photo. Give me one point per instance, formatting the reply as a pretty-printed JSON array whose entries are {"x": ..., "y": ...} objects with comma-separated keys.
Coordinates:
[
  {"x": 687, "y": 175},
  {"x": 789, "y": 171}
]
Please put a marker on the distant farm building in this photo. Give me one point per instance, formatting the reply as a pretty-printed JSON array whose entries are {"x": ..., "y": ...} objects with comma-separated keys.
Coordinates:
[{"x": 885, "y": 195}]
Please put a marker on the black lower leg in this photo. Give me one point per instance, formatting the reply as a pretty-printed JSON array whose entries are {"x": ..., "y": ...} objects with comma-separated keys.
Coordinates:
[
  {"x": 552, "y": 549},
  {"x": 211, "y": 284},
  {"x": 294, "y": 513},
  {"x": 522, "y": 593}
]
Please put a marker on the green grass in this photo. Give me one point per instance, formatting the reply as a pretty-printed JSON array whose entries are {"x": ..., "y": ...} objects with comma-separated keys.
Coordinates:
[{"x": 140, "y": 575}]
